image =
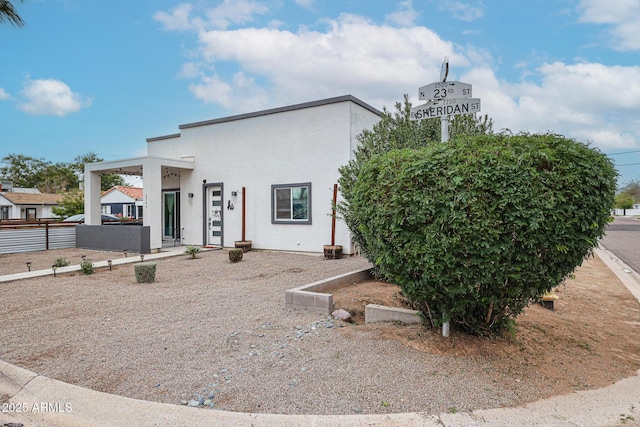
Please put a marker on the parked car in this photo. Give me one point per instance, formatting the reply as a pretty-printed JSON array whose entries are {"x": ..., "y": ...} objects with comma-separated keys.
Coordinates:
[{"x": 80, "y": 218}]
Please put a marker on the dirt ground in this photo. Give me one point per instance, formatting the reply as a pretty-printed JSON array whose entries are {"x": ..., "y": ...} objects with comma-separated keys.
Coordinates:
[{"x": 590, "y": 340}]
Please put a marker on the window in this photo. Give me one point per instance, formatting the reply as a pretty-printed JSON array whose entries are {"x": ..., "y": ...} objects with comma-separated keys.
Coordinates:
[
  {"x": 4, "y": 212},
  {"x": 30, "y": 213},
  {"x": 105, "y": 209},
  {"x": 131, "y": 211},
  {"x": 291, "y": 203}
]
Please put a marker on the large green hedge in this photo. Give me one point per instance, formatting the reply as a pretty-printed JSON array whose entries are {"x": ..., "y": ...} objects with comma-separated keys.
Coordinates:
[{"x": 476, "y": 229}]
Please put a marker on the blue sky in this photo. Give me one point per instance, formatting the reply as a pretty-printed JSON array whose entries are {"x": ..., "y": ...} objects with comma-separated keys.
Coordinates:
[{"x": 89, "y": 75}]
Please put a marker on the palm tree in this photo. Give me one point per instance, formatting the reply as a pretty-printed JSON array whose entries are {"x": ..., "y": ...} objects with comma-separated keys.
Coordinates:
[{"x": 8, "y": 12}]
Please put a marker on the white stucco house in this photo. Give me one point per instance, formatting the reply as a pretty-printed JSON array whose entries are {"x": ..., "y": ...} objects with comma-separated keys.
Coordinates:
[
  {"x": 282, "y": 162},
  {"x": 123, "y": 201}
]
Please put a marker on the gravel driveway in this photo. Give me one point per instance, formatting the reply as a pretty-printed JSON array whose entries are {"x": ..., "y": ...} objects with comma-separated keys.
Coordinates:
[{"x": 210, "y": 329}]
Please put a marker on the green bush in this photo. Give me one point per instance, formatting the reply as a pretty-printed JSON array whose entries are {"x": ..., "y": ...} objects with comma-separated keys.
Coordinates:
[
  {"x": 235, "y": 255},
  {"x": 476, "y": 229},
  {"x": 145, "y": 272},
  {"x": 61, "y": 262},
  {"x": 86, "y": 266},
  {"x": 192, "y": 251}
]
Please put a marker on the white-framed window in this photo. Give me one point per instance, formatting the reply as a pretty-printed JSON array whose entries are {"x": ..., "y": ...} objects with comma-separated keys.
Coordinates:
[
  {"x": 291, "y": 203},
  {"x": 105, "y": 209},
  {"x": 4, "y": 212},
  {"x": 131, "y": 211}
]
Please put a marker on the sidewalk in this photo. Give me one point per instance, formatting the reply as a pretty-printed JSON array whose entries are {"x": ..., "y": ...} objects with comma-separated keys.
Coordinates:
[
  {"x": 133, "y": 258},
  {"x": 39, "y": 401}
]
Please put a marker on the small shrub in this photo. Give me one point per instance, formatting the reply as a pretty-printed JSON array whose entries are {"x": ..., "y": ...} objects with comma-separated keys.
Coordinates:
[
  {"x": 145, "y": 272},
  {"x": 86, "y": 266},
  {"x": 192, "y": 250},
  {"x": 61, "y": 262},
  {"x": 235, "y": 255}
]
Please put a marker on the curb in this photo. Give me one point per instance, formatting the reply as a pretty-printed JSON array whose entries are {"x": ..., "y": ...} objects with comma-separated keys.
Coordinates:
[{"x": 38, "y": 401}]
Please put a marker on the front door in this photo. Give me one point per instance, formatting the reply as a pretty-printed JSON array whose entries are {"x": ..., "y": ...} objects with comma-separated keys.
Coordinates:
[
  {"x": 214, "y": 214},
  {"x": 171, "y": 215}
]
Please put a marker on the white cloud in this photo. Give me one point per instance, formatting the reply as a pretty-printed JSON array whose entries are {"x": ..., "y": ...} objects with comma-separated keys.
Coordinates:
[
  {"x": 213, "y": 90},
  {"x": 352, "y": 56},
  {"x": 227, "y": 13},
  {"x": 405, "y": 16},
  {"x": 463, "y": 10},
  {"x": 622, "y": 16},
  {"x": 307, "y": 4},
  {"x": 177, "y": 20},
  {"x": 587, "y": 101},
  {"x": 4, "y": 95},
  {"x": 51, "y": 97},
  {"x": 249, "y": 69}
]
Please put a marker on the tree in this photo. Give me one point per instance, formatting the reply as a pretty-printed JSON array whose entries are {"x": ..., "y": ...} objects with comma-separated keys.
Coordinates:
[
  {"x": 8, "y": 13},
  {"x": 57, "y": 178},
  {"x": 632, "y": 190},
  {"x": 476, "y": 229},
  {"x": 397, "y": 131},
  {"x": 23, "y": 171},
  {"x": 28, "y": 172},
  {"x": 72, "y": 203},
  {"x": 470, "y": 124},
  {"x": 624, "y": 201},
  {"x": 106, "y": 181}
]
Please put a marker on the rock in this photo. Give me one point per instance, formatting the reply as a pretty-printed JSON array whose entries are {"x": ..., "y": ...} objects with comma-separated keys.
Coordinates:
[
  {"x": 343, "y": 315},
  {"x": 193, "y": 403},
  {"x": 207, "y": 402},
  {"x": 183, "y": 402}
]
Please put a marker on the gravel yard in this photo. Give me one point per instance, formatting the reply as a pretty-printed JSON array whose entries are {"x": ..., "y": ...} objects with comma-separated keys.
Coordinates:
[{"x": 212, "y": 330}]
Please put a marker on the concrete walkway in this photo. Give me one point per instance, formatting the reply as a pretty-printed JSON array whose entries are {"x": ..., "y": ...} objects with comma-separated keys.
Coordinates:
[
  {"x": 37, "y": 401},
  {"x": 132, "y": 258}
]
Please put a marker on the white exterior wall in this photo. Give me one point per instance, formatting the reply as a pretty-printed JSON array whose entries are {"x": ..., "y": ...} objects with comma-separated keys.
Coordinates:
[
  {"x": 19, "y": 211},
  {"x": 12, "y": 208},
  {"x": 297, "y": 146},
  {"x": 117, "y": 197}
]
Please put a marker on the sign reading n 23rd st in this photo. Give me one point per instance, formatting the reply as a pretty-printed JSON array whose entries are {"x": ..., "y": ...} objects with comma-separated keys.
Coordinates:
[
  {"x": 441, "y": 90},
  {"x": 446, "y": 107}
]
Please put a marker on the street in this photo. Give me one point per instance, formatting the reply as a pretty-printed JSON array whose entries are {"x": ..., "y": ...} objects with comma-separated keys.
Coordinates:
[{"x": 623, "y": 239}]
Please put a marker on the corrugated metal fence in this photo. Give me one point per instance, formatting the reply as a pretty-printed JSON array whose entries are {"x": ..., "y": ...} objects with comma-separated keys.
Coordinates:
[{"x": 36, "y": 237}]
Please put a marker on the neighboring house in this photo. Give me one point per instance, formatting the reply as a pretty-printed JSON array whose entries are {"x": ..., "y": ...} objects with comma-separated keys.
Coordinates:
[
  {"x": 14, "y": 205},
  {"x": 285, "y": 159},
  {"x": 122, "y": 201}
]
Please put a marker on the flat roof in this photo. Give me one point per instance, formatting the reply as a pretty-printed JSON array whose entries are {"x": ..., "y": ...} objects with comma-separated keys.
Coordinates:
[{"x": 335, "y": 100}]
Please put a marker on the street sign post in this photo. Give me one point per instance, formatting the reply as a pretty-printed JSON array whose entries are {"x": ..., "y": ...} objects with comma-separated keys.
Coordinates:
[
  {"x": 445, "y": 99},
  {"x": 441, "y": 90},
  {"x": 445, "y": 107}
]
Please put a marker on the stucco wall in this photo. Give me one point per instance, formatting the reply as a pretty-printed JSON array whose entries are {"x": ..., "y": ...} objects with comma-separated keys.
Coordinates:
[{"x": 304, "y": 145}]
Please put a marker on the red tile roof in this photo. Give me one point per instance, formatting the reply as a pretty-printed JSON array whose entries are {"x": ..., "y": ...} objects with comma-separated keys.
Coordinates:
[{"x": 133, "y": 192}]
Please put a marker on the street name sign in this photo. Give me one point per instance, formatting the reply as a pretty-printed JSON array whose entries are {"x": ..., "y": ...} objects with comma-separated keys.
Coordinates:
[
  {"x": 441, "y": 90},
  {"x": 446, "y": 107}
]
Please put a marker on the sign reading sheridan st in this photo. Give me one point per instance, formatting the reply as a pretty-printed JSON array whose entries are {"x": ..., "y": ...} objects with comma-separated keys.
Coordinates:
[{"x": 446, "y": 107}]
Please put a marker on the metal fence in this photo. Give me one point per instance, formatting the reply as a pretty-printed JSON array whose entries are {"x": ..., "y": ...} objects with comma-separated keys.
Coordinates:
[
  {"x": 30, "y": 237},
  {"x": 625, "y": 212}
]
